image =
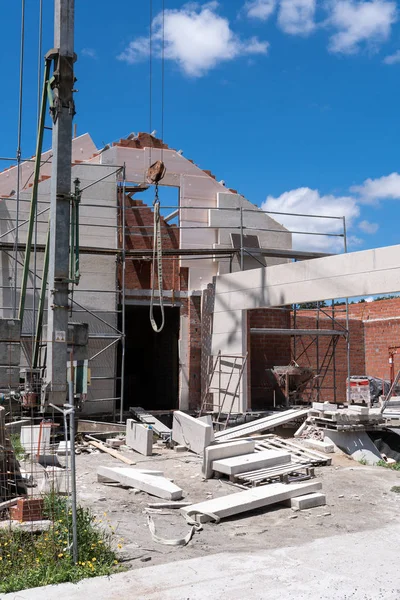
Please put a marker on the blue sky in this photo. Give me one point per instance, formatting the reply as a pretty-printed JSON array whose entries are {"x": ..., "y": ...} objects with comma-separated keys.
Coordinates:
[{"x": 292, "y": 102}]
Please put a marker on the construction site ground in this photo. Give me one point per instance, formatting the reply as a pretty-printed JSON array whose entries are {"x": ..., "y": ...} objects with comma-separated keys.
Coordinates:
[
  {"x": 344, "y": 550},
  {"x": 358, "y": 498}
]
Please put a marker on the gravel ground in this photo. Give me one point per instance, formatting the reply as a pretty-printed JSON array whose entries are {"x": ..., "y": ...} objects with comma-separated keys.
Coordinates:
[{"x": 359, "y": 498}]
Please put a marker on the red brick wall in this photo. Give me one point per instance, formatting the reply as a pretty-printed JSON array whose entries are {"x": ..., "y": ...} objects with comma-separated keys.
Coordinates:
[
  {"x": 139, "y": 219},
  {"x": 333, "y": 366},
  {"x": 379, "y": 336},
  {"x": 265, "y": 352}
]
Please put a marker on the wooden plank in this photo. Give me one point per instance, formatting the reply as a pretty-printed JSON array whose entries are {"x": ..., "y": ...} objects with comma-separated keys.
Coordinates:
[{"x": 112, "y": 452}]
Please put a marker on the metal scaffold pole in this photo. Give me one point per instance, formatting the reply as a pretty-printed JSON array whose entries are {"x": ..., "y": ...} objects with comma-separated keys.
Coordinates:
[{"x": 62, "y": 109}]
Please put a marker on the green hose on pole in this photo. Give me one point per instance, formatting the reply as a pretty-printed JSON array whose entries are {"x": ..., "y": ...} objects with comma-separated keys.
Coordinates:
[
  {"x": 38, "y": 157},
  {"x": 38, "y": 332}
]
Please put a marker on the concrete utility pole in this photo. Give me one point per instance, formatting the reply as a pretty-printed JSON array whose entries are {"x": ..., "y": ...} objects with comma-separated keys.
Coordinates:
[{"x": 62, "y": 113}]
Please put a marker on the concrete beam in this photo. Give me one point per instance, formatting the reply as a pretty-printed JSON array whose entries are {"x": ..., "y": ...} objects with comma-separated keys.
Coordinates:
[
  {"x": 257, "y": 497},
  {"x": 363, "y": 273},
  {"x": 342, "y": 276}
]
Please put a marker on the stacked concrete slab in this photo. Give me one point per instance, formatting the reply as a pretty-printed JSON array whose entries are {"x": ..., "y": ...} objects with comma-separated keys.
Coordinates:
[{"x": 251, "y": 462}]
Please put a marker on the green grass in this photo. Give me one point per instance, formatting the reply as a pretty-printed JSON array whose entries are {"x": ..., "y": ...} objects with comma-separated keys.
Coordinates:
[
  {"x": 18, "y": 448},
  {"x": 395, "y": 489},
  {"x": 394, "y": 466},
  {"x": 31, "y": 560}
]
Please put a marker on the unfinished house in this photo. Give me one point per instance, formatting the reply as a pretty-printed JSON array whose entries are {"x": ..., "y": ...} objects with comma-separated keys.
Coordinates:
[{"x": 206, "y": 230}]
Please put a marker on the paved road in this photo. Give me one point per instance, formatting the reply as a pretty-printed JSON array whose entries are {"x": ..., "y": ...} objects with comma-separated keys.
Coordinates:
[{"x": 357, "y": 566}]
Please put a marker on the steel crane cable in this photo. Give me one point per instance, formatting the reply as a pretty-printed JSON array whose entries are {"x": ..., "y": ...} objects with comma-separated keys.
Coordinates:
[{"x": 155, "y": 173}]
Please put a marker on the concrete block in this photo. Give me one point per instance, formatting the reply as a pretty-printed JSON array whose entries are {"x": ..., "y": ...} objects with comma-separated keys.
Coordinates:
[
  {"x": 63, "y": 448},
  {"x": 155, "y": 485},
  {"x": 257, "y": 497},
  {"x": 324, "y": 406},
  {"x": 356, "y": 444},
  {"x": 308, "y": 501},
  {"x": 357, "y": 409},
  {"x": 324, "y": 446},
  {"x": 139, "y": 437},
  {"x": 206, "y": 419},
  {"x": 225, "y": 450},
  {"x": 36, "y": 438},
  {"x": 56, "y": 480},
  {"x": 115, "y": 442},
  {"x": 180, "y": 448},
  {"x": 195, "y": 434},
  {"x": 251, "y": 462},
  {"x": 15, "y": 426}
]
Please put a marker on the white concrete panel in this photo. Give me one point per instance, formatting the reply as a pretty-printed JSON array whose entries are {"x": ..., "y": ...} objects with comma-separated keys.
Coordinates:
[
  {"x": 257, "y": 497},
  {"x": 228, "y": 321},
  {"x": 190, "y": 432},
  {"x": 225, "y": 450},
  {"x": 82, "y": 149},
  {"x": 139, "y": 437},
  {"x": 250, "y": 462}
]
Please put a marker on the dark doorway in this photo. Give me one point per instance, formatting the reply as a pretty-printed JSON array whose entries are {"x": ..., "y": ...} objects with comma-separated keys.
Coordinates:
[{"x": 151, "y": 360}]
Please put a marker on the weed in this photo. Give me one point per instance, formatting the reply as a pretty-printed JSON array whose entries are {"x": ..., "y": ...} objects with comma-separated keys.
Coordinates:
[
  {"x": 363, "y": 461},
  {"x": 18, "y": 448},
  {"x": 395, "y": 489},
  {"x": 30, "y": 560},
  {"x": 394, "y": 466}
]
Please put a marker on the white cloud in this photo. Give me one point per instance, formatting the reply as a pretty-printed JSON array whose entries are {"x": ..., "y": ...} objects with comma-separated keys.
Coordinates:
[
  {"x": 392, "y": 59},
  {"x": 310, "y": 202},
  {"x": 196, "y": 38},
  {"x": 387, "y": 187},
  {"x": 260, "y": 9},
  {"x": 296, "y": 17},
  {"x": 89, "y": 52},
  {"x": 360, "y": 22},
  {"x": 368, "y": 227}
]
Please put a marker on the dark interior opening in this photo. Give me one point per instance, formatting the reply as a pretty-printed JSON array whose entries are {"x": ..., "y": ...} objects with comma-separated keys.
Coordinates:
[{"x": 151, "y": 360}]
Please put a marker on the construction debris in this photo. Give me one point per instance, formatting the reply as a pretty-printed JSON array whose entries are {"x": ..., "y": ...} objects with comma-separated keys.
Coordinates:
[
  {"x": 324, "y": 446},
  {"x": 308, "y": 501},
  {"x": 346, "y": 419},
  {"x": 168, "y": 505},
  {"x": 148, "y": 481},
  {"x": 171, "y": 542},
  {"x": 112, "y": 452}
]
